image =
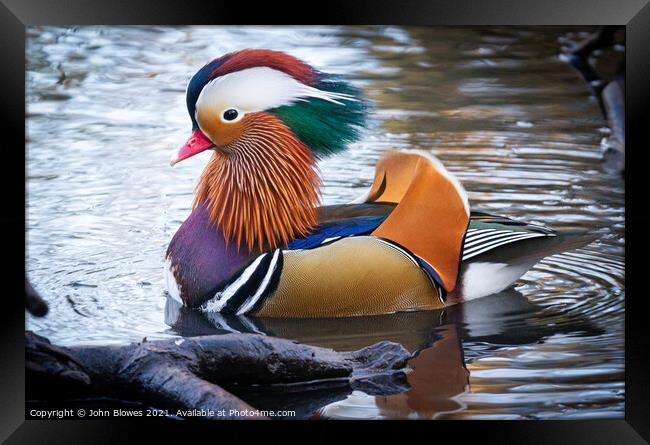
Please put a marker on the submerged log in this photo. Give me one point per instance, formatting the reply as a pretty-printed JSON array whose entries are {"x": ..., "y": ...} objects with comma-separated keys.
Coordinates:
[{"x": 186, "y": 374}]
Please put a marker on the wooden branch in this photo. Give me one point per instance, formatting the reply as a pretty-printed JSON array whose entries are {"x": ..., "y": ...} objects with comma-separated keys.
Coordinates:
[
  {"x": 579, "y": 59},
  {"x": 34, "y": 304},
  {"x": 186, "y": 373},
  {"x": 611, "y": 97},
  {"x": 601, "y": 38}
]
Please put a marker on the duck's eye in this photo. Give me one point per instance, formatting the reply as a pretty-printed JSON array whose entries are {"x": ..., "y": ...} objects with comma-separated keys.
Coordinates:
[{"x": 230, "y": 114}]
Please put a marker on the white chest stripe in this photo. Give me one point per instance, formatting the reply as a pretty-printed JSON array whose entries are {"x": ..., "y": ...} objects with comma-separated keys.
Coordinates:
[
  {"x": 170, "y": 282},
  {"x": 217, "y": 303},
  {"x": 250, "y": 302}
]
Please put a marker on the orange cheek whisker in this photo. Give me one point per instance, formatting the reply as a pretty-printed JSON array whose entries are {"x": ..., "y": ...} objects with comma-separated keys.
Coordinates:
[{"x": 263, "y": 187}]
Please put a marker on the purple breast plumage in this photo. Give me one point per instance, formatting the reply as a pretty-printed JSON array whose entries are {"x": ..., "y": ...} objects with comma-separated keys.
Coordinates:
[{"x": 199, "y": 261}]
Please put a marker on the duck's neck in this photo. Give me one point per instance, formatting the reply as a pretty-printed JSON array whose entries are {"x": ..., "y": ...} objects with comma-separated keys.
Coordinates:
[{"x": 262, "y": 190}]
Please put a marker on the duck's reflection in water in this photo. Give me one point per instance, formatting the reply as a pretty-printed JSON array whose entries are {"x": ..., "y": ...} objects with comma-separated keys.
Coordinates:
[{"x": 441, "y": 342}]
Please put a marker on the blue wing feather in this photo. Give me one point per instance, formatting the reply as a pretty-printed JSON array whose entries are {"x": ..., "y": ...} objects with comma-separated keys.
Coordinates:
[{"x": 361, "y": 225}]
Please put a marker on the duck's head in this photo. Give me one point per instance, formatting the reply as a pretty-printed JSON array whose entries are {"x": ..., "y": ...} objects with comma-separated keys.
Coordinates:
[
  {"x": 233, "y": 95},
  {"x": 267, "y": 116}
]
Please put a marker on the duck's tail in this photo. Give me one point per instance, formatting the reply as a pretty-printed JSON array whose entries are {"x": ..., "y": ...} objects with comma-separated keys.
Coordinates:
[
  {"x": 533, "y": 250},
  {"x": 562, "y": 243},
  {"x": 498, "y": 269}
]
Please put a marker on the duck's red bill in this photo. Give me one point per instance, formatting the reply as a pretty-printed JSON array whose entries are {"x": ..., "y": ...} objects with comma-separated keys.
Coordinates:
[{"x": 197, "y": 143}]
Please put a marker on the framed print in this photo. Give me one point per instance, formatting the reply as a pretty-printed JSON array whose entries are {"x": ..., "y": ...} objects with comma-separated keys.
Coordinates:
[{"x": 401, "y": 214}]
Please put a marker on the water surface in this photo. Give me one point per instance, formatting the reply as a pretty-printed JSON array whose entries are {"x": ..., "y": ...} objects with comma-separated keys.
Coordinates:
[{"x": 106, "y": 108}]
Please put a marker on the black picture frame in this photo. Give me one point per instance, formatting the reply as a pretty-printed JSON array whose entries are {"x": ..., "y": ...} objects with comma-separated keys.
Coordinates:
[{"x": 15, "y": 15}]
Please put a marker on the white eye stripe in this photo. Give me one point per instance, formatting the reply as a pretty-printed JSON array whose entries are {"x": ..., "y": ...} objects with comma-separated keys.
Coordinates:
[{"x": 259, "y": 89}]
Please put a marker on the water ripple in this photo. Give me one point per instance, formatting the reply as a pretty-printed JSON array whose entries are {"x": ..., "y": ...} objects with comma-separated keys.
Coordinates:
[{"x": 105, "y": 109}]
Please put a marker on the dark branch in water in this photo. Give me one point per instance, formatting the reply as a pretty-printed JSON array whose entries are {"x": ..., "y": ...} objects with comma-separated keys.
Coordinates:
[
  {"x": 187, "y": 373},
  {"x": 34, "y": 304},
  {"x": 610, "y": 95}
]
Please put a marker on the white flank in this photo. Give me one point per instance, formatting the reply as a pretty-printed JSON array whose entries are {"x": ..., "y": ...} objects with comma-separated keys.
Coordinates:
[
  {"x": 483, "y": 279},
  {"x": 216, "y": 303},
  {"x": 170, "y": 282},
  {"x": 259, "y": 89},
  {"x": 265, "y": 282}
]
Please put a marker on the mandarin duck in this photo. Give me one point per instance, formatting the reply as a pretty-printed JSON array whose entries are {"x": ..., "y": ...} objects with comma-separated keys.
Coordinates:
[{"x": 257, "y": 241}]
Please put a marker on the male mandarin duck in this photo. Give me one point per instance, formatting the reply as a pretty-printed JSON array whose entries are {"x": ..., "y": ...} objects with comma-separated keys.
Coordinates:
[{"x": 257, "y": 242}]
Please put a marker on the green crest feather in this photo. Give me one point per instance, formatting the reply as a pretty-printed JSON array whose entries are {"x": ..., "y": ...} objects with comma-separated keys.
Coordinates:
[{"x": 323, "y": 126}]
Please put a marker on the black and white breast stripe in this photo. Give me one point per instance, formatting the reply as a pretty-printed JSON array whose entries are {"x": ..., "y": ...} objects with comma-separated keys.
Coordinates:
[
  {"x": 248, "y": 291},
  {"x": 478, "y": 241}
]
